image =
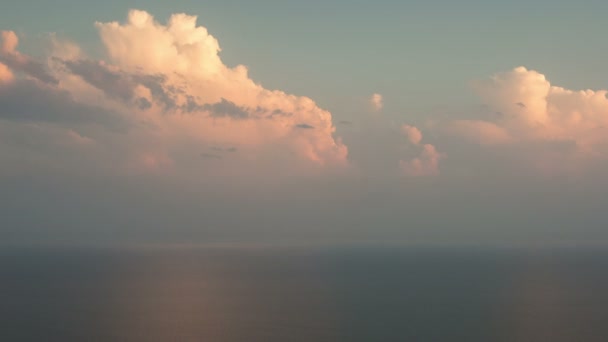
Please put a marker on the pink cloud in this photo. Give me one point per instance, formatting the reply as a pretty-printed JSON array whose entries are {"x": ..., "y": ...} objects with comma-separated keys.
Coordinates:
[
  {"x": 481, "y": 132},
  {"x": 188, "y": 58},
  {"x": 412, "y": 133},
  {"x": 13, "y": 59},
  {"x": 533, "y": 115},
  {"x": 5, "y": 74},
  {"x": 9, "y": 42},
  {"x": 426, "y": 163},
  {"x": 376, "y": 102},
  {"x": 520, "y": 93},
  {"x": 176, "y": 98}
]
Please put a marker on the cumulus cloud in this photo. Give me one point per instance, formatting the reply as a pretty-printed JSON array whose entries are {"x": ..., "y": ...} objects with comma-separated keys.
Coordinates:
[
  {"x": 17, "y": 61},
  {"x": 167, "y": 89},
  {"x": 426, "y": 163},
  {"x": 162, "y": 94},
  {"x": 225, "y": 108},
  {"x": 5, "y": 74},
  {"x": 111, "y": 82},
  {"x": 376, "y": 102},
  {"x": 538, "y": 116},
  {"x": 412, "y": 133},
  {"x": 9, "y": 42},
  {"x": 217, "y": 97}
]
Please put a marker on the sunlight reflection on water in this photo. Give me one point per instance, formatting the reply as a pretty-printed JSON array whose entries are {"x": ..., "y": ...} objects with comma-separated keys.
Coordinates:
[{"x": 302, "y": 295}]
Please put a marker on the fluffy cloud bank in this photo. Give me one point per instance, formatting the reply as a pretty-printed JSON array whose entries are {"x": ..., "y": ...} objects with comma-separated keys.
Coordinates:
[
  {"x": 555, "y": 128},
  {"x": 161, "y": 98}
]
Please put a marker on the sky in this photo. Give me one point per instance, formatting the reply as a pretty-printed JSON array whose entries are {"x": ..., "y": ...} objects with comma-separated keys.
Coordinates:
[{"x": 303, "y": 122}]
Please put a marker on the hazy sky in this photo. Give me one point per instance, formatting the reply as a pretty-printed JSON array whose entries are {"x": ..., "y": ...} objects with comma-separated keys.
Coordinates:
[{"x": 318, "y": 121}]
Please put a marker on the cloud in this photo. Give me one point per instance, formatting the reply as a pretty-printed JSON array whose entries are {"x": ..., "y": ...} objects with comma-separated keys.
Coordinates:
[
  {"x": 17, "y": 61},
  {"x": 225, "y": 108},
  {"x": 5, "y": 74},
  {"x": 426, "y": 163},
  {"x": 480, "y": 132},
  {"x": 219, "y": 98},
  {"x": 161, "y": 94},
  {"x": 9, "y": 42},
  {"x": 376, "y": 102},
  {"x": 26, "y": 100},
  {"x": 88, "y": 141},
  {"x": 113, "y": 83},
  {"x": 412, "y": 133},
  {"x": 537, "y": 116}
]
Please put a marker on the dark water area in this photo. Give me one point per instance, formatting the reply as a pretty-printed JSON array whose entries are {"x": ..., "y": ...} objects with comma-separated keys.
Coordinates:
[{"x": 318, "y": 294}]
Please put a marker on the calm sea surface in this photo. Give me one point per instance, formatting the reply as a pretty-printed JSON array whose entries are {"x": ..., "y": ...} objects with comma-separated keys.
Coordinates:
[{"x": 323, "y": 294}]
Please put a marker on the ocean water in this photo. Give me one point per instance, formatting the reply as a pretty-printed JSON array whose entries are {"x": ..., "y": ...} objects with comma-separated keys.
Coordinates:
[{"x": 300, "y": 294}]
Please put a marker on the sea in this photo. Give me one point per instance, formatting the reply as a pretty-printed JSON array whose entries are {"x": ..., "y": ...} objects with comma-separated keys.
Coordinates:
[{"x": 313, "y": 294}]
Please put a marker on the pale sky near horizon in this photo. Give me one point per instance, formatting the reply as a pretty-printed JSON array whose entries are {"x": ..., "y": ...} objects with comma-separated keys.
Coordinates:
[{"x": 455, "y": 122}]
